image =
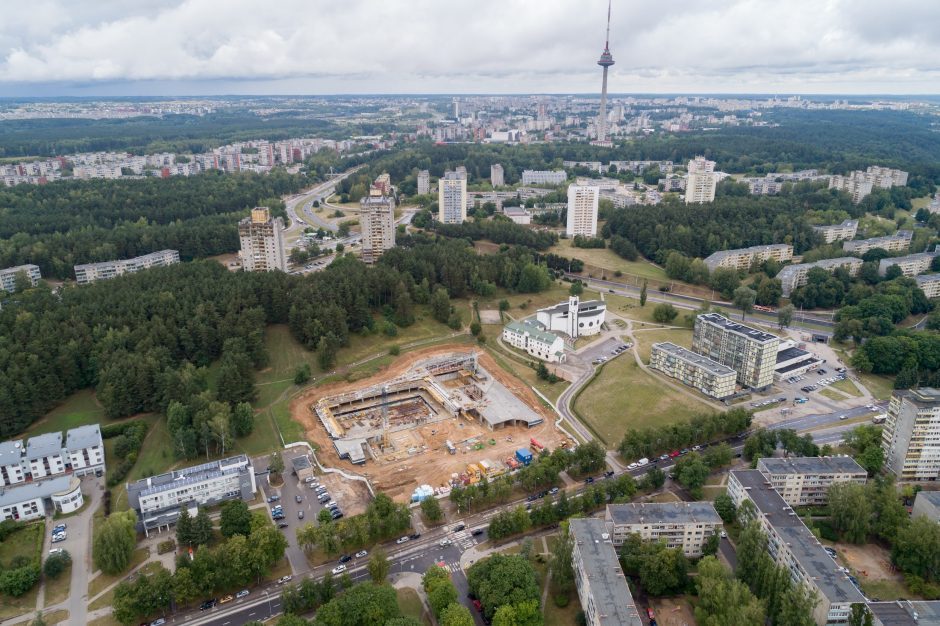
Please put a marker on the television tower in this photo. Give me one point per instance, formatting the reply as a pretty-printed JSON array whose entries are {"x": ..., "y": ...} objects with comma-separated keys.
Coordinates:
[{"x": 605, "y": 61}]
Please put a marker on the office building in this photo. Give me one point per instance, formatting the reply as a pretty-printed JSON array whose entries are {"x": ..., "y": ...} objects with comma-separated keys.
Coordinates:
[
  {"x": 911, "y": 435},
  {"x": 686, "y": 525},
  {"x": 497, "y": 179},
  {"x": 106, "y": 270},
  {"x": 927, "y": 504},
  {"x": 574, "y": 318},
  {"x": 30, "y": 501},
  {"x": 710, "y": 377},
  {"x": 159, "y": 500},
  {"x": 802, "y": 481},
  {"x": 544, "y": 177},
  {"x": 929, "y": 284},
  {"x": 424, "y": 182},
  {"x": 910, "y": 265},
  {"x": 897, "y": 242},
  {"x": 377, "y": 219},
  {"x": 701, "y": 181},
  {"x": 750, "y": 352},
  {"x": 452, "y": 198},
  {"x": 602, "y": 587},
  {"x": 8, "y": 276},
  {"x": 794, "y": 546},
  {"x": 262, "y": 242},
  {"x": 582, "y": 210},
  {"x": 532, "y": 337},
  {"x": 856, "y": 184},
  {"x": 793, "y": 276},
  {"x": 45, "y": 456},
  {"x": 744, "y": 258},
  {"x": 838, "y": 232}
]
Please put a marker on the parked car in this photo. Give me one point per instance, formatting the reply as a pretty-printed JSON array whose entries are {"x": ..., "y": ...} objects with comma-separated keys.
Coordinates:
[
  {"x": 362, "y": 553},
  {"x": 476, "y": 532},
  {"x": 56, "y": 551},
  {"x": 589, "y": 480},
  {"x": 310, "y": 479},
  {"x": 208, "y": 604},
  {"x": 402, "y": 540},
  {"x": 283, "y": 525},
  {"x": 241, "y": 594},
  {"x": 284, "y": 579},
  {"x": 274, "y": 498},
  {"x": 553, "y": 490},
  {"x": 158, "y": 622},
  {"x": 59, "y": 527},
  {"x": 415, "y": 535},
  {"x": 477, "y": 605},
  {"x": 336, "y": 515},
  {"x": 300, "y": 514},
  {"x": 226, "y": 599},
  {"x": 339, "y": 569},
  {"x": 345, "y": 558}
]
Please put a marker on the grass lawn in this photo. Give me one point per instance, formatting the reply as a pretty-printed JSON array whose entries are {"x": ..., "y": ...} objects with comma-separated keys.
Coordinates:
[
  {"x": 26, "y": 603},
  {"x": 623, "y": 396},
  {"x": 666, "y": 496},
  {"x": 102, "y": 601},
  {"x": 55, "y": 617},
  {"x": 885, "y": 589},
  {"x": 102, "y": 581},
  {"x": 410, "y": 604},
  {"x": 832, "y": 395},
  {"x": 846, "y": 386},
  {"x": 105, "y": 620},
  {"x": 605, "y": 258},
  {"x": 23, "y": 543},
  {"x": 524, "y": 372},
  {"x": 646, "y": 338},
  {"x": 524, "y": 304},
  {"x": 878, "y": 385},
  {"x": 57, "y": 589},
  {"x": 78, "y": 409},
  {"x": 630, "y": 308}
]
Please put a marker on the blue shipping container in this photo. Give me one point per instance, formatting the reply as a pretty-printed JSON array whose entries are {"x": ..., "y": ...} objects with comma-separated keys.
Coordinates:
[{"x": 524, "y": 456}]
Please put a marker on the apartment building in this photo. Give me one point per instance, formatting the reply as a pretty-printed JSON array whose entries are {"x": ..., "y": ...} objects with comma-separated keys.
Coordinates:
[
  {"x": 35, "y": 500},
  {"x": 44, "y": 456},
  {"x": 532, "y": 337},
  {"x": 686, "y": 525},
  {"x": 710, "y": 377},
  {"x": 377, "y": 220},
  {"x": 793, "y": 546},
  {"x": 84, "y": 448},
  {"x": 885, "y": 177},
  {"x": 793, "y": 276},
  {"x": 856, "y": 184},
  {"x": 12, "y": 470},
  {"x": 602, "y": 586},
  {"x": 905, "y": 613},
  {"x": 927, "y": 503},
  {"x": 262, "y": 242},
  {"x": 518, "y": 215},
  {"x": 497, "y": 177},
  {"x": 897, "y": 242},
  {"x": 9, "y": 274},
  {"x": 802, "y": 481},
  {"x": 673, "y": 183},
  {"x": 743, "y": 258},
  {"x": 838, "y": 232},
  {"x": 574, "y": 318},
  {"x": 424, "y": 182},
  {"x": 911, "y": 265},
  {"x": 452, "y": 198},
  {"x": 929, "y": 284},
  {"x": 582, "y": 210},
  {"x": 701, "y": 181},
  {"x": 383, "y": 182},
  {"x": 750, "y": 352},
  {"x": 544, "y": 177},
  {"x": 106, "y": 270},
  {"x": 911, "y": 435},
  {"x": 159, "y": 500}
]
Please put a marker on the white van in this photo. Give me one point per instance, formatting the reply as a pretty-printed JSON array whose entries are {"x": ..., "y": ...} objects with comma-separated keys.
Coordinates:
[{"x": 643, "y": 461}]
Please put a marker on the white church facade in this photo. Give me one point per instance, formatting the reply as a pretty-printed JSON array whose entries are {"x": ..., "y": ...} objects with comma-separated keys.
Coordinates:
[{"x": 574, "y": 318}]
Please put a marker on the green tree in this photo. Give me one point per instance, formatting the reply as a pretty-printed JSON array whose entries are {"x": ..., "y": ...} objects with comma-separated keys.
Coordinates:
[
  {"x": 302, "y": 375},
  {"x": 744, "y": 299},
  {"x": 236, "y": 381},
  {"x": 114, "y": 542},
  {"x": 242, "y": 420},
  {"x": 692, "y": 473},
  {"x": 725, "y": 507},
  {"x": 366, "y": 604},
  {"x": 235, "y": 519},
  {"x": 378, "y": 566},
  {"x": 722, "y": 599},
  {"x": 664, "y": 313},
  {"x": 850, "y": 511},
  {"x": 276, "y": 463},
  {"x": 725, "y": 280},
  {"x": 184, "y": 529},
  {"x": 441, "y": 596},
  {"x": 327, "y": 348},
  {"x": 456, "y": 615},
  {"x": 202, "y": 528},
  {"x": 56, "y": 563},
  {"x": 431, "y": 509},
  {"x": 503, "y": 579},
  {"x": 440, "y": 305},
  {"x": 576, "y": 288},
  {"x": 560, "y": 561},
  {"x": 917, "y": 549},
  {"x": 643, "y": 293},
  {"x": 785, "y": 315},
  {"x": 184, "y": 588}
]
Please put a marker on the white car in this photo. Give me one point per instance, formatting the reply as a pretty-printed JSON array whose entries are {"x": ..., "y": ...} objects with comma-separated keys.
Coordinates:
[
  {"x": 361, "y": 554},
  {"x": 632, "y": 466},
  {"x": 402, "y": 540},
  {"x": 56, "y": 551},
  {"x": 242, "y": 593},
  {"x": 445, "y": 542},
  {"x": 339, "y": 569},
  {"x": 284, "y": 579}
]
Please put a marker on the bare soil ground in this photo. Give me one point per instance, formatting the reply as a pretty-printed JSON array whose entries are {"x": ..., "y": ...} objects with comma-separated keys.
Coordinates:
[
  {"x": 673, "y": 612},
  {"x": 490, "y": 316},
  {"x": 868, "y": 560},
  {"x": 398, "y": 478},
  {"x": 351, "y": 495}
]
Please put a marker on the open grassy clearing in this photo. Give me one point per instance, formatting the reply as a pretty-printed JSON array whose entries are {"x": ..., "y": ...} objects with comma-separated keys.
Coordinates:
[
  {"x": 55, "y": 617},
  {"x": 846, "y": 386},
  {"x": 78, "y": 409},
  {"x": 411, "y": 605},
  {"x": 886, "y": 590},
  {"x": 607, "y": 259},
  {"x": 880, "y": 386},
  {"x": 57, "y": 589},
  {"x": 102, "y": 601},
  {"x": 24, "y": 543},
  {"x": 832, "y": 395},
  {"x": 525, "y": 304},
  {"x": 623, "y": 396},
  {"x": 26, "y": 603},
  {"x": 102, "y": 581},
  {"x": 646, "y": 338}
]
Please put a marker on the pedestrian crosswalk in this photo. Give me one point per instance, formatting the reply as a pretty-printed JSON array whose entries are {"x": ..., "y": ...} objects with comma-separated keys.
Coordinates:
[{"x": 464, "y": 540}]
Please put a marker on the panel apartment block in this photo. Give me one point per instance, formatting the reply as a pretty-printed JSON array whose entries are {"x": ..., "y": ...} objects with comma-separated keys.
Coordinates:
[
  {"x": 910, "y": 265},
  {"x": 106, "y": 270},
  {"x": 582, "y": 210},
  {"x": 261, "y": 240},
  {"x": 8, "y": 276},
  {"x": 929, "y": 284},
  {"x": 897, "y": 242},
  {"x": 793, "y": 276},
  {"x": 377, "y": 219},
  {"x": 743, "y": 258},
  {"x": 686, "y": 525},
  {"x": 750, "y": 352},
  {"x": 708, "y": 376},
  {"x": 602, "y": 587},
  {"x": 452, "y": 198},
  {"x": 911, "y": 435},
  {"x": 838, "y": 232},
  {"x": 803, "y": 481},
  {"x": 544, "y": 177},
  {"x": 701, "y": 181}
]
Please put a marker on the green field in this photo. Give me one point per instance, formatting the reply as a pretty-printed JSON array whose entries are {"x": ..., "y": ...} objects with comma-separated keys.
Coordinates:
[
  {"x": 24, "y": 543},
  {"x": 623, "y": 396},
  {"x": 78, "y": 409},
  {"x": 846, "y": 386},
  {"x": 605, "y": 258},
  {"x": 880, "y": 386},
  {"x": 410, "y": 605},
  {"x": 646, "y": 338}
]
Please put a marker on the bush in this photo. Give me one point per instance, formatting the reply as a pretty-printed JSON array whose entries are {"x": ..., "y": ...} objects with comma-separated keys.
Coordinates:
[
  {"x": 56, "y": 564},
  {"x": 166, "y": 546},
  {"x": 561, "y": 600},
  {"x": 394, "y": 350},
  {"x": 8, "y": 527}
]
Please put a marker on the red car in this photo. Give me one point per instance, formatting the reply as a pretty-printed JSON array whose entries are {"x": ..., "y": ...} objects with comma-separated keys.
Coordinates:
[
  {"x": 673, "y": 454},
  {"x": 476, "y": 604}
]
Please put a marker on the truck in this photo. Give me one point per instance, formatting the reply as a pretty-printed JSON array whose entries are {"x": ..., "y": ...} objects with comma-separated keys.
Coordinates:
[
  {"x": 524, "y": 456},
  {"x": 879, "y": 419},
  {"x": 512, "y": 463},
  {"x": 450, "y": 447},
  {"x": 486, "y": 467},
  {"x": 536, "y": 444}
]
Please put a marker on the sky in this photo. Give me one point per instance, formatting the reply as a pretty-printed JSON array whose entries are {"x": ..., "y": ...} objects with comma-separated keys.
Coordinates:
[{"x": 218, "y": 47}]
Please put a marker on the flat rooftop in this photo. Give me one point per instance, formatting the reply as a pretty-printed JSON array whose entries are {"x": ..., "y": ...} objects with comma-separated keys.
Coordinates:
[
  {"x": 907, "y": 612},
  {"x": 191, "y": 475},
  {"x": 924, "y": 396},
  {"x": 658, "y": 512},
  {"x": 44, "y": 445},
  {"x": 713, "y": 367},
  {"x": 24, "y": 492},
  {"x": 612, "y": 599},
  {"x": 812, "y": 465},
  {"x": 501, "y": 405},
  {"x": 734, "y": 327},
  {"x": 83, "y": 437},
  {"x": 933, "y": 497},
  {"x": 11, "y": 452}
]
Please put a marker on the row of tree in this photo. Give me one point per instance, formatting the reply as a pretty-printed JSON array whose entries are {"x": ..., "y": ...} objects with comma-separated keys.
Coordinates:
[
  {"x": 652, "y": 441},
  {"x": 382, "y": 520}
]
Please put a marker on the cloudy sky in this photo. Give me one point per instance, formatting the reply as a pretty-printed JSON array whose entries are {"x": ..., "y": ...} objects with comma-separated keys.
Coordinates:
[{"x": 180, "y": 47}]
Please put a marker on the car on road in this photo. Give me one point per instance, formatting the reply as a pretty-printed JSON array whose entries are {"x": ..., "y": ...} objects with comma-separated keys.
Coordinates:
[
  {"x": 208, "y": 604},
  {"x": 284, "y": 579},
  {"x": 226, "y": 599},
  {"x": 674, "y": 454},
  {"x": 345, "y": 558},
  {"x": 158, "y": 622},
  {"x": 274, "y": 498},
  {"x": 298, "y": 499},
  {"x": 476, "y": 532},
  {"x": 241, "y": 594},
  {"x": 414, "y": 535},
  {"x": 477, "y": 605},
  {"x": 283, "y": 525},
  {"x": 553, "y": 490},
  {"x": 56, "y": 551},
  {"x": 843, "y": 417},
  {"x": 59, "y": 538},
  {"x": 402, "y": 540},
  {"x": 664, "y": 457},
  {"x": 459, "y": 527},
  {"x": 723, "y": 535},
  {"x": 445, "y": 542},
  {"x": 300, "y": 514},
  {"x": 588, "y": 480},
  {"x": 632, "y": 466},
  {"x": 362, "y": 553},
  {"x": 339, "y": 569}
]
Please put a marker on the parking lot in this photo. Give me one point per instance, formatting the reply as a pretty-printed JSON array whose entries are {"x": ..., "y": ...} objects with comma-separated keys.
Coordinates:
[{"x": 604, "y": 351}]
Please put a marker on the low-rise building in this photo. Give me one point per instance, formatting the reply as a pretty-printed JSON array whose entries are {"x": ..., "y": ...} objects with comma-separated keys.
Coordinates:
[
  {"x": 85, "y": 449},
  {"x": 929, "y": 284},
  {"x": 106, "y": 270},
  {"x": 8, "y": 276},
  {"x": 518, "y": 215},
  {"x": 686, "y": 525},
  {"x": 803, "y": 481},
  {"x": 743, "y": 258},
  {"x": 602, "y": 587},
  {"x": 897, "y": 242},
  {"x": 910, "y": 265},
  {"x": 544, "y": 177},
  {"x": 708, "y": 376},
  {"x": 793, "y": 361},
  {"x": 927, "y": 504},
  {"x": 793, "y": 276},
  {"x": 159, "y": 500},
  {"x": 574, "y": 318},
  {"x": 531, "y": 336},
  {"x": 750, "y": 352},
  {"x": 44, "y": 455},
  {"x": 35, "y": 500},
  {"x": 11, "y": 463},
  {"x": 837, "y": 232},
  {"x": 794, "y": 546}
]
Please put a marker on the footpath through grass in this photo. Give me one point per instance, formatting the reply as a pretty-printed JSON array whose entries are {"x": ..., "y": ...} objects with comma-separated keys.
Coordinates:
[{"x": 607, "y": 259}]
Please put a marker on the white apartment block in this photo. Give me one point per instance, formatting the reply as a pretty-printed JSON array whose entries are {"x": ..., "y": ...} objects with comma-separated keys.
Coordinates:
[
  {"x": 856, "y": 184},
  {"x": 497, "y": 176},
  {"x": 377, "y": 219},
  {"x": 750, "y": 352},
  {"x": 911, "y": 265},
  {"x": 424, "y": 182},
  {"x": 159, "y": 500},
  {"x": 452, "y": 198},
  {"x": 8, "y": 276},
  {"x": 262, "y": 242},
  {"x": 544, "y": 177},
  {"x": 30, "y": 501},
  {"x": 12, "y": 468},
  {"x": 574, "y": 318},
  {"x": 744, "y": 258},
  {"x": 85, "y": 449},
  {"x": 803, "y": 481},
  {"x": 897, "y": 242},
  {"x": 708, "y": 376},
  {"x": 673, "y": 183},
  {"x": 793, "y": 546},
  {"x": 685, "y": 525},
  {"x": 701, "y": 181},
  {"x": 106, "y": 270},
  {"x": 793, "y": 276},
  {"x": 595, "y": 166},
  {"x": 885, "y": 177},
  {"x": 530, "y": 336},
  {"x": 44, "y": 456},
  {"x": 911, "y": 435},
  {"x": 929, "y": 284},
  {"x": 838, "y": 232},
  {"x": 602, "y": 586},
  {"x": 582, "y": 210}
]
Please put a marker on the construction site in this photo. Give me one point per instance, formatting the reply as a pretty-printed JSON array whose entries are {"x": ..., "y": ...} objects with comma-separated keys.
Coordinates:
[{"x": 435, "y": 418}]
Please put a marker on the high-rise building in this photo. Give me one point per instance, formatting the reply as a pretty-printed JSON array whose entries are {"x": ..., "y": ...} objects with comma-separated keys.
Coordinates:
[
  {"x": 909, "y": 439},
  {"x": 605, "y": 62},
  {"x": 424, "y": 182},
  {"x": 452, "y": 198},
  {"x": 377, "y": 219},
  {"x": 8, "y": 276},
  {"x": 262, "y": 242},
  {"x": 701, "y": 182},
  {"x": 750, "y": 352},
  {"x": 496, "y": 175},
  {"x": 582, "y": 210},
  {"x": 856, "y": 184}
]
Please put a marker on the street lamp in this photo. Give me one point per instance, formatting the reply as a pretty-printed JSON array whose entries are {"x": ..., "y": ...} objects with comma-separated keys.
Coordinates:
[{"x": 268, "y": 598}]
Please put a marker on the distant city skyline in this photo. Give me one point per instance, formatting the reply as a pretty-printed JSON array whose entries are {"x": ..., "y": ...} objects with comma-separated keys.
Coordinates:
[{"x": 206, "y": 47}]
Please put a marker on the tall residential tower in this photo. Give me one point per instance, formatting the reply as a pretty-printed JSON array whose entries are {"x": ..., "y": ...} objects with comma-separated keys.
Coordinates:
[
  {"x": 605, "y": 61},
  {"x": 262, "y": 242},
  {"x": 452, "y": 198}
]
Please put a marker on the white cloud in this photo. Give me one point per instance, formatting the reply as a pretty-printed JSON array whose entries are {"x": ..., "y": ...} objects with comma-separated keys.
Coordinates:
[{"x": 488, "y": 45}]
